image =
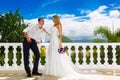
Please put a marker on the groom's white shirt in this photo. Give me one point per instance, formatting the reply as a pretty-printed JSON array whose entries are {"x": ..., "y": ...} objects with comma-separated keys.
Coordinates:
[{"x": 35, "y": 32}]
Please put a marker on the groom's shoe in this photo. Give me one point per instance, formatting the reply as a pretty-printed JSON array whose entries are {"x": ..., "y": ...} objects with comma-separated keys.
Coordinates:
[
  {"x": 36, "y": 73},
  {"x": 29, "y": 75}
]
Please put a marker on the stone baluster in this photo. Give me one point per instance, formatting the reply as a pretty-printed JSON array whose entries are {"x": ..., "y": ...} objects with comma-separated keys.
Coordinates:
[
  {"x": 106, "y": 55},
  {"x": 22, "y": 57},
  {"x": 77, "y": 52},
  {"x": 98, "y": 55},
  {"x": 114, "y": 59},
  {"x": 91, "y": 55},
  {"x": 69, "y": 51},
  {"x": 84, "y": 54},
  {"x": 14, "y": 55},
  {"x": 6, "y": 56}
]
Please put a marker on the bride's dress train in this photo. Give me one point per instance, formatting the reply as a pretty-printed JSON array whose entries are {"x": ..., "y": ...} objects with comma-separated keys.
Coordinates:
[{"x": 60, "y": 65}]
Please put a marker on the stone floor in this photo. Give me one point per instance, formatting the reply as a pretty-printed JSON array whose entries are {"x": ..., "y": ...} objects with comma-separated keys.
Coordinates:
[
  {"x": 20, "y": 75},
  {"x": 23, "y": 77}
]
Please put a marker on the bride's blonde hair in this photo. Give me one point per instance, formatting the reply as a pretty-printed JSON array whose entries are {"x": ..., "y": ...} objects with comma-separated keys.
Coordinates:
[{"x": 56, "y": 20}]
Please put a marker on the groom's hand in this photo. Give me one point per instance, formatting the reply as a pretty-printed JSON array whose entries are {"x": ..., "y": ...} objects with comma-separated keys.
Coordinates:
[{"x": 29, "y": 39}]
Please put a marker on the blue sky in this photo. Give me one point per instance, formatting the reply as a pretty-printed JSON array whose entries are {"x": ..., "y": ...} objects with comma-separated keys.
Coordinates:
[
  {"x": 78, "y": 17},
  {"x": 37, "y": 8}
]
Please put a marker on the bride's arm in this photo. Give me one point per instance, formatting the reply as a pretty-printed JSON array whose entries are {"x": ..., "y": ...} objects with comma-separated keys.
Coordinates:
[
  {"x": 60, "y": 33},
  {"x": 46, "y": 32}
]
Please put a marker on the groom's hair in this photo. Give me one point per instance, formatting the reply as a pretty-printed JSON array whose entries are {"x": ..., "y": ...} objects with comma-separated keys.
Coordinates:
[{"x": 40, "y": 19}]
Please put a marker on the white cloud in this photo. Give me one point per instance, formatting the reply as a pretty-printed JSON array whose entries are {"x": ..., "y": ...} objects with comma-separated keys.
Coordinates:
[
  {"x": 77, "y": 30},
  {"x": 85, "y": 11},
  {"x": 115, "y": 13},
  {"x": 97, "y": 14},
  {"x": 48, "y": 23},
  {"x": 101, "y": 8},
  {"x": 32, "y": 21}
]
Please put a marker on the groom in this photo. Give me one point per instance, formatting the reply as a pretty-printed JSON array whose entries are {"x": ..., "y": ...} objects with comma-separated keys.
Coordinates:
[{"x": 33, "y": 35}]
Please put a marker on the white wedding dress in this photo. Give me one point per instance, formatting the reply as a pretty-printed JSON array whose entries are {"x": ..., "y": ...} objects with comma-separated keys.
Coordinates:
[{"x": 60, "y": 65}]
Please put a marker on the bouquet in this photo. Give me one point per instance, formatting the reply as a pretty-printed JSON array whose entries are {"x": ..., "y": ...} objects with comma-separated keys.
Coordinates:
[{"x": 61, "y": 50}]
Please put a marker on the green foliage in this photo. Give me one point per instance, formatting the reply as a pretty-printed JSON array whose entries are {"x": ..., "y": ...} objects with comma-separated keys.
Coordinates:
[
  {"x": 110, "y": 55},
  {"x": 102, "y": 55},
  {"x": 66, "y": 48},
  {"x": 95, "y": 55},
  {"x": 42, "y": 60},
  {"x": 88, "y": 57},
  {"x": 105, "y": 32},
  {"x": 73, "y": 56},
  {"x": 117, "y": 33},
  {"x": 118, "y": 55},
  {"x": 10, "y": 56},
  {"x": 42, "y": 55},
  {"x": 80, "y": 56},
  {"x": 98, "y": 40},
  {"x": 73, "y": 48},
  {"x": 11, "y": 27},
  {"x": 18, "y": 55},
  {"x": 2, "y": 56}
]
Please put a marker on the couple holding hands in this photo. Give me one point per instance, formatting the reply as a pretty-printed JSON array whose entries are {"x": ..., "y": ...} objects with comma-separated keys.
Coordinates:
[{"x": 56, "y": 64}]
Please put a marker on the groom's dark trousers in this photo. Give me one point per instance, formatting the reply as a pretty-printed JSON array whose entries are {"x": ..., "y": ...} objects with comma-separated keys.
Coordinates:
[{"x": 26, "y": 47}]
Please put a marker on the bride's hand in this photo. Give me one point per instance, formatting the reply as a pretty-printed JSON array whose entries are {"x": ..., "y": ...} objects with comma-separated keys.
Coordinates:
[
  {"x": 46, "y": 32},
  {"x": 39, "y": 41}
]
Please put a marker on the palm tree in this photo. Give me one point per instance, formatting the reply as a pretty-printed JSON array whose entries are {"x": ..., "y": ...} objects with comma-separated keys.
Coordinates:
[
  {"x": 11, "y": 27},
  {"x": 108, "y": 34},
  {"x": 117, "y": 33}
]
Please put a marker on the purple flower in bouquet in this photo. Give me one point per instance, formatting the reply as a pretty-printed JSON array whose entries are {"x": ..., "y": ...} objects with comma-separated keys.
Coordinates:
[{"x": 61, "y": 50}]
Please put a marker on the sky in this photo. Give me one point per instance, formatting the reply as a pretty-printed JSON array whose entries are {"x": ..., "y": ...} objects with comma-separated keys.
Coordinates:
[{"x": 79, "y": 17}]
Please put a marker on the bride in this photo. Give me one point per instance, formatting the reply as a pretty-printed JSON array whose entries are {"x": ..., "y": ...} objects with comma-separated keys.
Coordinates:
[{"x": 59, "y": 64}]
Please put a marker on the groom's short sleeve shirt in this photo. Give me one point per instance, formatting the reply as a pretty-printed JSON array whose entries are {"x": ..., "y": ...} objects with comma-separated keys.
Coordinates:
[{"x": 35, "y": 32}]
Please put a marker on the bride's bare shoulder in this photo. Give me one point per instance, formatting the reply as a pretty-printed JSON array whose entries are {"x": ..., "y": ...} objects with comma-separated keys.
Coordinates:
[{"x": 58, "y": 26}]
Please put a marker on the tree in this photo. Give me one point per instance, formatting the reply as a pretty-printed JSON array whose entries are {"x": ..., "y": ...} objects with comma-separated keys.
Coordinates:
[
  {"x": 11, "y": 27},
  {"x": 108, "y": 34}
]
